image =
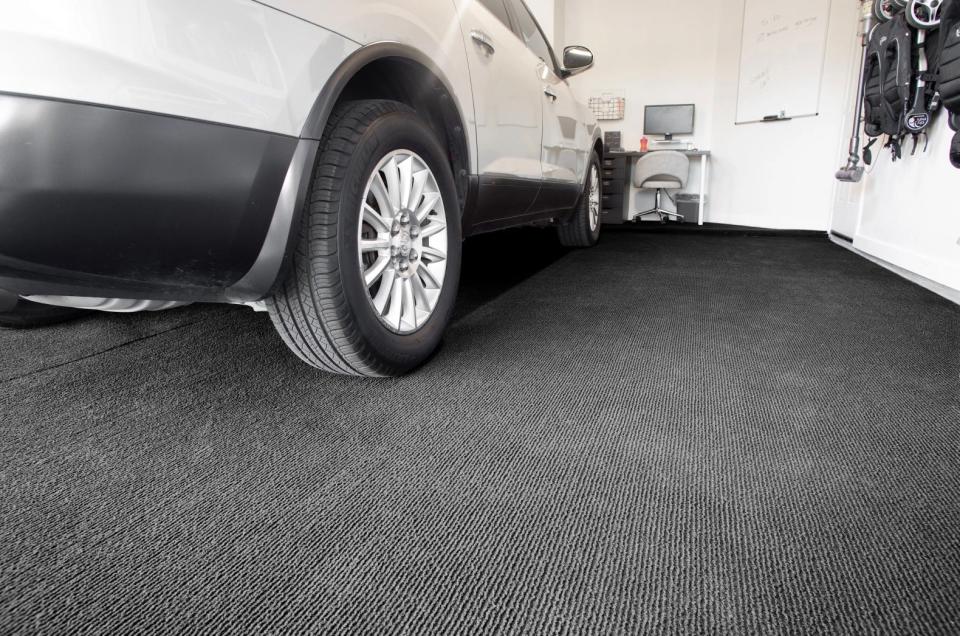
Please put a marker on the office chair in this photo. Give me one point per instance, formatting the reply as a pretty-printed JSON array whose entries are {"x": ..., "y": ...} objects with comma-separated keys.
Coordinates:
[{"x": 662, "y": 170}]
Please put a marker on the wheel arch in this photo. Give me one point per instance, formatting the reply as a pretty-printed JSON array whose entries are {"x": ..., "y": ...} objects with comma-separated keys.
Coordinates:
[
  {"x": 392, "y": 70},
  {"x": 383, "y": 70}
]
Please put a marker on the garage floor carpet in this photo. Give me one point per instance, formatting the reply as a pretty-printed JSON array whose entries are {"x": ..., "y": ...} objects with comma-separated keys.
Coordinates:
[{"x": 668, "y": 433}]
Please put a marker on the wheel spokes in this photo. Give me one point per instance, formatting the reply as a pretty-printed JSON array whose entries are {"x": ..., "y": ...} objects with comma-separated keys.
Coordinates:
[
  {"x": 396, "y": 303},
  {"x": 378, "y": 188},
  {"x": 433, "y": 228},
  {"x": 420, "y": 292},
  {"x": 375, "y": 219},
  {"x": 402, "y": 241},
  {"x": 429, "y": 203},
  {"x": 416, "y": 192},
  {"x": 433, "y": 254},
  {"x": 409, "y": 313},
  {"x": 429, "y": 280},
  {"x": 376, "y": 270},
  {"x": 405, "y": 169},
  {"x": 374, "y": 245},
  {"x": 392, "y": 173},
  {"x": 386, "y": 287}
]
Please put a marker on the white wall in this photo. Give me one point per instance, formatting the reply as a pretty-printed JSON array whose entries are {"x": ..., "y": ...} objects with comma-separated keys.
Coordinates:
[
  {"x": 780, "y": 175},
  {"x": 910, "y": 211},
  {"x": 905, "y": 212},
  {"x": 677, "y": 52},
  {"x": 650, "y": 52},
  {"x": 545, "y": 11}
]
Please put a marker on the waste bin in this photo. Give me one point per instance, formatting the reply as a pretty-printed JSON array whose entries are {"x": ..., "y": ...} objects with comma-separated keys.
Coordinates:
[{"x": 688, "y": 205}]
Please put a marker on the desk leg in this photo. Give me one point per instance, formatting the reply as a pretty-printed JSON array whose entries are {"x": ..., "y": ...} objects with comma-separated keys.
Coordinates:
[
  {"x": 703, "y": 188},
  {"x": 627, "y": 183}
]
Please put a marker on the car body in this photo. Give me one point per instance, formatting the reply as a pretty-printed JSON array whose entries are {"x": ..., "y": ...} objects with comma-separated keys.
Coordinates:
[{"x": 162, "y": 150}]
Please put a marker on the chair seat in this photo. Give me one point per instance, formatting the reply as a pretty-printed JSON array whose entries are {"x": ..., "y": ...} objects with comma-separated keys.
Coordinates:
[{"x": 667, "y": 185}]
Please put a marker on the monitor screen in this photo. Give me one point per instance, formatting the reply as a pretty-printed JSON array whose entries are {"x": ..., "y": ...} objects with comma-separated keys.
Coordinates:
[{"x": 674, "y": 119}]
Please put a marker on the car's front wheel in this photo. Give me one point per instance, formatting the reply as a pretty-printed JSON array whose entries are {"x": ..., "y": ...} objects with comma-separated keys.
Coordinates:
[{"x": 376, "y": 269}]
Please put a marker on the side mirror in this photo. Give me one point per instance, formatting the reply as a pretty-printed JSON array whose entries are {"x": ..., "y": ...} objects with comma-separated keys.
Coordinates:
[{"x": 576, "y": 59}]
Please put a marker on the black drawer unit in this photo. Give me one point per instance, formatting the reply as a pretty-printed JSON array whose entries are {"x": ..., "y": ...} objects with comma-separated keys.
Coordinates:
[
  {"x": 614, "y": 172},
  {"x": 613, "y": 186},
  {"x": 611, "y": 201},
  {"x": 612, "y": 215},
  {"x": 613, "y": 162},
  {"x": 615, "y": 168}
]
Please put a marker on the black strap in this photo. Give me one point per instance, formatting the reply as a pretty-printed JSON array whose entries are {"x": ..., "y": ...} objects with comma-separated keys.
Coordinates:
[
  {"x": 895, "y": 144},
  {"x": 867, "y": 153}
]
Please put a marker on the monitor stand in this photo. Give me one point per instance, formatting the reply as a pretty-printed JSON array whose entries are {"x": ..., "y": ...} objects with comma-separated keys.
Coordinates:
[{"x": 669, "y": 143}]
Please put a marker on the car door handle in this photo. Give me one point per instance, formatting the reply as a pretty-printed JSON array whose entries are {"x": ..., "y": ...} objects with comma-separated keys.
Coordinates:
[
  {"x": 549, "y": 93},
  {"x": 483, "y": 40}
]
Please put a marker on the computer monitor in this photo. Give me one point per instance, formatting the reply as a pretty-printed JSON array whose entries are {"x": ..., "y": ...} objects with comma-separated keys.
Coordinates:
[{"x": 668, "y": 120}]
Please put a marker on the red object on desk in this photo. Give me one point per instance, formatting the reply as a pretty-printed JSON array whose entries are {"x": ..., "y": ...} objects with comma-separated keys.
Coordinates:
[{"x": 644, "y": 144}]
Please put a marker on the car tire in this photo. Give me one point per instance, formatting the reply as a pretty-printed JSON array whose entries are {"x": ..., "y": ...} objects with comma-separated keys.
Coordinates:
[
  {"x": 17, "y": 313},
  {"x": 583, "y": 228},
  {"x": 373, "y": 154}
]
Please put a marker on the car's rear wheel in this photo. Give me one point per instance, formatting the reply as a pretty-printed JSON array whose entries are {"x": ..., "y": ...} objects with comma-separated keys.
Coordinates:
[
  {"x": 583, "y": 228},
  {"x": 376, "y": 268}
]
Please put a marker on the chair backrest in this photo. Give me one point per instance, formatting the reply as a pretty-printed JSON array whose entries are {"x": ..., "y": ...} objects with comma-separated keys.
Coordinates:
[{"x": 662, "y": 165}]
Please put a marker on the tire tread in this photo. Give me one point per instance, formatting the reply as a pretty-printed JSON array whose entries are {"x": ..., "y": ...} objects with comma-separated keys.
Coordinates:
[{"x": 310, "y": 309}]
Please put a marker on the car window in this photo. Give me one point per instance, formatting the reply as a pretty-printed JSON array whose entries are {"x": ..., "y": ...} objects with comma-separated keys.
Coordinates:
[
  {"x": 497, "y": 8},
  {"x": 530, "y": 32}
]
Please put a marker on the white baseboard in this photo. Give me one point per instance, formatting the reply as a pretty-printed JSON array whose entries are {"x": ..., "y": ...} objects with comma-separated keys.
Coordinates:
[{"x": 950, "y": 294}]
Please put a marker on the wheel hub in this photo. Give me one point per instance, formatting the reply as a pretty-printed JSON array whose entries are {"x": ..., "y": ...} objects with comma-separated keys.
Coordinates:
[{"x": 405, "y": 244}]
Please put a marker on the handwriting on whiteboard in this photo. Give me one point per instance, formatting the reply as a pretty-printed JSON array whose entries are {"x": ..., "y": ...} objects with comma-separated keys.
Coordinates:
[
  {"x": 761, "y": 79},
  {"x": 774, "y": 26}
]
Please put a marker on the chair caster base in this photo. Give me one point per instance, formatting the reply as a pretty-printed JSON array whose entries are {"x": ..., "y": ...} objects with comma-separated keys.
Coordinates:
[{"x": 665, "y": 215}]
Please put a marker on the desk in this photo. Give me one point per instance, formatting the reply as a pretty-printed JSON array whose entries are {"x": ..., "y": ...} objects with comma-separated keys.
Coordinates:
[{"x": 629, "y": 157}]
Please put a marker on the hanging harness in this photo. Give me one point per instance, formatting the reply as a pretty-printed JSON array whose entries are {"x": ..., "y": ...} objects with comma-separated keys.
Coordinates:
[
  {"x": 948, "y": 70},
  {"x": 887, "y": 82}
]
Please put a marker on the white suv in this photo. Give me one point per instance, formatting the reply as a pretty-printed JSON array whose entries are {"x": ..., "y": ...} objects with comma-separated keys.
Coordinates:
[{"x": 319, "y": 159}]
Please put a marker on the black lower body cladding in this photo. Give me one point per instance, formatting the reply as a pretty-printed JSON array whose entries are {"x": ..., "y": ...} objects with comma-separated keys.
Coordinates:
[{"x": 104, "y": 201}]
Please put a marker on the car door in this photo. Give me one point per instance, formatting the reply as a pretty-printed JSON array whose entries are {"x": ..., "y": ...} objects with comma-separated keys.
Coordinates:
[
  {"x": 563, "y": 151},
  {"x": 509, "y": 117}
]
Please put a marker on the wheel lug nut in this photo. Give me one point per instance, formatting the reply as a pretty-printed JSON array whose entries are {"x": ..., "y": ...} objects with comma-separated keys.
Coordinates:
[{"x": 413, "y": 255}]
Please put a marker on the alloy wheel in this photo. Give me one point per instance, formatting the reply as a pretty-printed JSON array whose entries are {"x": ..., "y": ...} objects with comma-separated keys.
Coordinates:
[
  {"x": 403, "y": 241},
  {"x": 594, "y": 200}
]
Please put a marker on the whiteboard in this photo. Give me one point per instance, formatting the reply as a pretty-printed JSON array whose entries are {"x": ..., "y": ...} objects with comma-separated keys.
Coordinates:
[{"x": 781, "y": 58}]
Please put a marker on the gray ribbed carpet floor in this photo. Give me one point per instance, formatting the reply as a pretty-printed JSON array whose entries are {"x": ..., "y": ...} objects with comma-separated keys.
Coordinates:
[{"x": 664, "y": 434}]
